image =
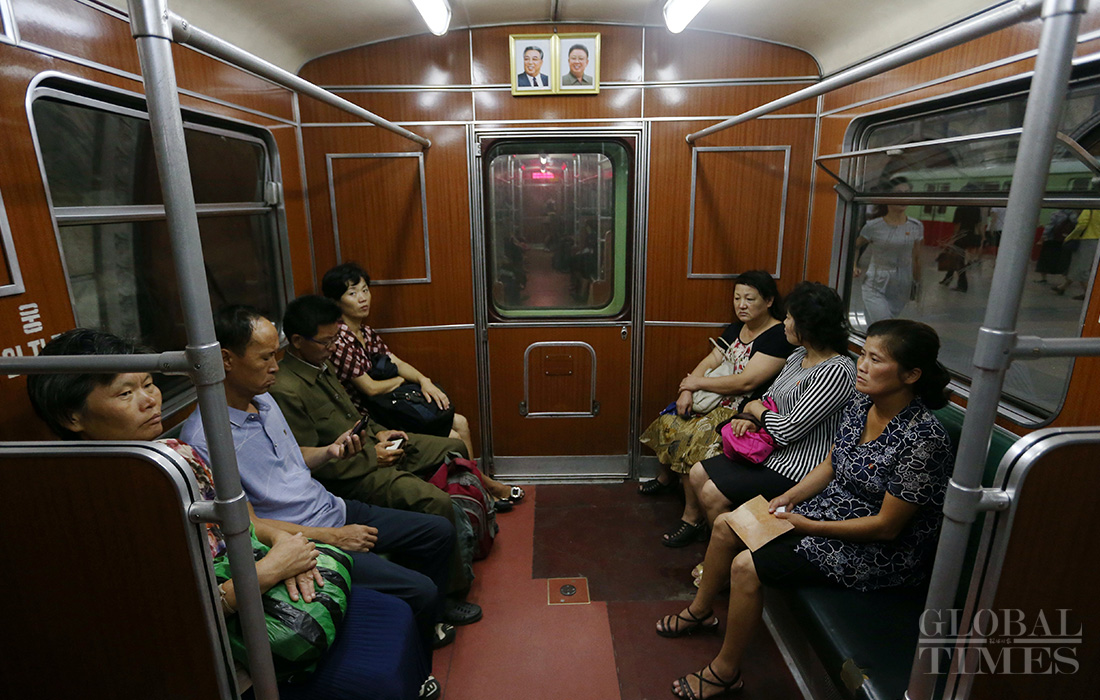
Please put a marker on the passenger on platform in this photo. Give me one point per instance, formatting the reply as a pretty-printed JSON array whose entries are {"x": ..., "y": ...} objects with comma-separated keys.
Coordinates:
[
  {"x": 276, "y": 476},
  {"x": 757, "y": 346},
  {"x": 1082, "y": 242},
  {"x": 319, "y": 411},
  {"x": 127, "y": 406},
  {"x": 357, "y": 344},
  {"x": 815, "y": 383},
  {"x": 892, "y": 277},
  {"x": 866, "y": 517},
  {"x": 968, "y": 236}
]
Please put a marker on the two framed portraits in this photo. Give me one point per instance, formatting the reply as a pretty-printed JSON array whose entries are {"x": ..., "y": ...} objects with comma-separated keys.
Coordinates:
[{"x": 545, "y": 64}]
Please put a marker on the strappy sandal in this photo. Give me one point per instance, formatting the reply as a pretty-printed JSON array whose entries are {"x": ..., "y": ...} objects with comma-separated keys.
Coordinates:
[
  {"x": 684, "y": 534},
  {"x": 730, "y": 687},
  {"x": 687, "y": 625},
  {"x": 654, "y": 487}
]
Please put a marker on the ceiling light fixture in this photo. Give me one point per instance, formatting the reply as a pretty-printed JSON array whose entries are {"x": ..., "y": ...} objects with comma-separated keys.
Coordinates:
[
  {"x": 436, "y": 14},
  {"x": 678, "y": 13}
]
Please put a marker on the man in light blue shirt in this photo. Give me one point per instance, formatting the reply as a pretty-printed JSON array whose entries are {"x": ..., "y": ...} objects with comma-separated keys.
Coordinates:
[{"x": 275, "y": 474}]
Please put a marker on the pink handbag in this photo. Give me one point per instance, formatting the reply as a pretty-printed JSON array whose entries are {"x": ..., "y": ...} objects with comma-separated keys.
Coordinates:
[{"x": 752, "y": 446}]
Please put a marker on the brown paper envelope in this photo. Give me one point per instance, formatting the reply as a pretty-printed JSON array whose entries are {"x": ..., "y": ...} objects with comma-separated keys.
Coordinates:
[{"x": 755, "y": 525}]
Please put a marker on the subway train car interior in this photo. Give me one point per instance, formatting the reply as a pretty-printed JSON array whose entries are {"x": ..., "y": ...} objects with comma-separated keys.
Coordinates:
[{"x": 447, "y": 268}]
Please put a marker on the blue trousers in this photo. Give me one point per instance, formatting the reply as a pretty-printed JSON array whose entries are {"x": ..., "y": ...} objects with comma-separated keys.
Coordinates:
[
  {"x": 418, "y": 547},
  {"x": 377, "y": 655}
]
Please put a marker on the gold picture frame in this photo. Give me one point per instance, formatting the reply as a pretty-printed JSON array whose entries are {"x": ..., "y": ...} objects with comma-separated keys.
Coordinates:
[
  {"x": 561, "y": 64},
  {"x": 578, "y": 64},
  {"x": 533, "y": 60}
]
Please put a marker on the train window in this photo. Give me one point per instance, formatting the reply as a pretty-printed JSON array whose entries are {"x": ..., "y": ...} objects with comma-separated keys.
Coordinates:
[
  {"x": 929, "y": 196},
  {"x": 101, "y": 174},
  {"x": 557, "y": 221}
]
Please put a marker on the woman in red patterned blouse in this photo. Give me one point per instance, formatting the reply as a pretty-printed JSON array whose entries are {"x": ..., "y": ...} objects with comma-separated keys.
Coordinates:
[{"x": 356, "y": 343}]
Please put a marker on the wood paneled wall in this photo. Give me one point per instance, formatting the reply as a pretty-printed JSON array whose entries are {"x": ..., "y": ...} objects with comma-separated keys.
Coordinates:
[
  {"x": 677, "y": 83},
  {"x": 92, "y": 45}
]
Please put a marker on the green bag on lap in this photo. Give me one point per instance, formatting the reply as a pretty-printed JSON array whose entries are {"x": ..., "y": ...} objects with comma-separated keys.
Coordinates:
[{"x": 299, "y": 632}]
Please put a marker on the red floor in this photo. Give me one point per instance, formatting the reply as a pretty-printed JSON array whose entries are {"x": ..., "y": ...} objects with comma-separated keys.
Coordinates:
[{"x": 527, "y": 646}]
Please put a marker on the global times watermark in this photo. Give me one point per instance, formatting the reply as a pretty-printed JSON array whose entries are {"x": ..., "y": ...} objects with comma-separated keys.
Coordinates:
[{"x": 1007, "y": 641}]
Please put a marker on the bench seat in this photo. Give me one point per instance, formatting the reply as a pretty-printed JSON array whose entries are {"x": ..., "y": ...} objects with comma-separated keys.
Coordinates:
[{"x": 865, "y": 642}]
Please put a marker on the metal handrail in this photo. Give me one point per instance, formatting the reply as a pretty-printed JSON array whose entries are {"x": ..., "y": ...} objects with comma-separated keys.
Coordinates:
[
  {"x": 183, "y": 32},
  {"x": 149, "y": 24},
  {"x": 993, "y": 352},
  {"x": 961, "y": 33}
]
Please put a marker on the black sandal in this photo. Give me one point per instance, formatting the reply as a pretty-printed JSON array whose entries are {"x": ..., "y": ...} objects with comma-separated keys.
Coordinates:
[
  {"x": 729, "y": 687},
  {"x": 654, "y": 487},
  {"x": 684, "y": 534},
  {"x": 691, "y": 624}
]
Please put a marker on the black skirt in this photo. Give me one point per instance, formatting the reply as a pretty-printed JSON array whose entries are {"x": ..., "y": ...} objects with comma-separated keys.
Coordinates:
[
  {"x": 741, "y": 481},
  {"x": 777, "y": 564}
]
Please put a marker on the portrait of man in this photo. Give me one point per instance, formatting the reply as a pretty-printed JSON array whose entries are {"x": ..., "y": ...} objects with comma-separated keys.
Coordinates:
[
  {"x": 578, "y": 63},
  {"x": 532, "y": 75},
  {"x": 577, "y": 58}
]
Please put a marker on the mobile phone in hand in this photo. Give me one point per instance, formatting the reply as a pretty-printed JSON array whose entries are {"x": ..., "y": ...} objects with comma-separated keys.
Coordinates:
[
  {"x": 359, "y": 426},
  {"x": 396, "y": 444}
]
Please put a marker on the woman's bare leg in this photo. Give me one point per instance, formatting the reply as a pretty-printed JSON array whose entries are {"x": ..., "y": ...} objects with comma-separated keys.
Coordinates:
[
  {"x": 714, "y": 502},
  {"x": 460, "y": 429},
  {"x": 745, "y": 610},
  {"x": 723, "y": 547},
  {"x": 693, "y": 510}
]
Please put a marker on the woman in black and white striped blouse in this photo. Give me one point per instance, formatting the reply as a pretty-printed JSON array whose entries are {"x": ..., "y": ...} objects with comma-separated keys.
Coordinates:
[{"x": 815, "y": 383}]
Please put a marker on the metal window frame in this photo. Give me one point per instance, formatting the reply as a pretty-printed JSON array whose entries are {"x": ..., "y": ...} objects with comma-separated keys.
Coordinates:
[
  {"x": 1013, "y": 407},
  {"x": 594, "y": 405},
  {"x": 330, "y": 158},
  {"x": 917, "y": 198},
  {"x": 16, "y": 285},
  {"x": 106, "y": 214},
  {"x": 566, "y": 315},
  {"x": 695, "y": 151}
]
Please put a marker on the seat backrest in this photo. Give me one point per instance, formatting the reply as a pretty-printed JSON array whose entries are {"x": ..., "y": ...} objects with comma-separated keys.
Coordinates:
[
  {"x": 111, "y": 591},
  {"x": 952, "y": 416}
]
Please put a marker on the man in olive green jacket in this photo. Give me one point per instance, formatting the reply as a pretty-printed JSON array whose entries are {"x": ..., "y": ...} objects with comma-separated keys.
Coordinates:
[{"x": 319, "y": 411}]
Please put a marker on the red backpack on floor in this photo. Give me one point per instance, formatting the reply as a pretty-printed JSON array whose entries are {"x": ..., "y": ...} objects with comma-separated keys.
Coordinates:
[{"x": 461, "y": 480}]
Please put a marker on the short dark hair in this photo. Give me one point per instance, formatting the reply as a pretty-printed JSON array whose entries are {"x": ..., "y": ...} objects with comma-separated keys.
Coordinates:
[
  {"x": 233, "y": 326},
  {"x": 56, "y": 397},
  {"x": 337, "y": 280},
  {"x": 763, "y": 282},
  {"x": 574, "y": 47},
  {"x": 533, "y": 48},
  {"x": 915, "y": 345},
  {"x": 819, "y": 316},
  {"x": 307, "y": 313}
]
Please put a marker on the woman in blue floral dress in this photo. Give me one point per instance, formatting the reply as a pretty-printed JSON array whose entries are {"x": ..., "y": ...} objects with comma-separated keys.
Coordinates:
[{"x": 867, "y": 517}]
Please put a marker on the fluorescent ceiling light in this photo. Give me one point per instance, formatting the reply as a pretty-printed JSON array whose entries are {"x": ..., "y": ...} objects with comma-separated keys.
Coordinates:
[
  {"x": 679, "y": 12},
  {"x": 436, "y": 14}
]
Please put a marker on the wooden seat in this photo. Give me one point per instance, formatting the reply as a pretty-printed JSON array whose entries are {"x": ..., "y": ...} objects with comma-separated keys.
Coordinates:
[{"x": 110, "y": 590}]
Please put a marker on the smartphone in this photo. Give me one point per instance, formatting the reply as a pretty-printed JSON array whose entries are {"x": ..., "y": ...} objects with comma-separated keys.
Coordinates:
[
  {"x": 359, "y": 426},
  {"x": 396, "y": 444}
]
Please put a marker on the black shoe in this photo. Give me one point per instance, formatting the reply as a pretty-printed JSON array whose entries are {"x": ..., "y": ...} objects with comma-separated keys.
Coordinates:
[
  {"x": 685, "y": 534},
  {"x": 461, "y": 612},
  {"x": 654, "y": 487},
  {"x": 430, "y": 690},
  {"x": 442, "y": 635}
]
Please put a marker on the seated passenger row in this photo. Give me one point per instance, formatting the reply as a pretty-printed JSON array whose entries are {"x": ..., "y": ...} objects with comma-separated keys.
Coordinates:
[
  {"x": 858, "y": 480},
  {"x": 329, "y": 489}
]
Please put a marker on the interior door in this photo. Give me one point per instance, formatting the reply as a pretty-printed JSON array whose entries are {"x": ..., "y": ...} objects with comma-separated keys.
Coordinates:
[{"x": 557, "y": 238}]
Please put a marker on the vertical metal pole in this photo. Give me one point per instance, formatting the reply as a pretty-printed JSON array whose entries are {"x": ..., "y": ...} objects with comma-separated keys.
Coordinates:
[
  {"x": 149, "y": 22},
  {"x": 998, "y": 333}
]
